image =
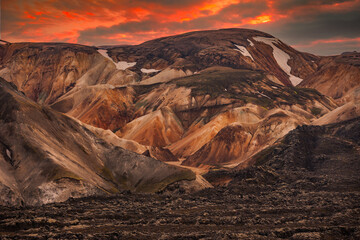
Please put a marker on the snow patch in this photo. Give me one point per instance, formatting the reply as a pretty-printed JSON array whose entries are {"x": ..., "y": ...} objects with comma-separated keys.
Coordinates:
[
  {"x": 281, "y": 58},
  {"x": 263, "y": 95},
  {"x": 8, "y": 153},
  {"x": 165, "y": 76},
  {"x": 122, "y": 65},
  {"x": 244, "y": 51},
  {"x": 144, "y": 70},
  {"x": 251, "y": 43}
]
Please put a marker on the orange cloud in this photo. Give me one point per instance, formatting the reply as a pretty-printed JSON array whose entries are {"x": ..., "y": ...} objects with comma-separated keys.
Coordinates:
[
  {"x": 329, "y": 41},
  {"x": 260, "y": 19},
  {"x": 73, "y": 16},
  {"x": 216, "y": 6},
  {"x": 27, "y": 15}
]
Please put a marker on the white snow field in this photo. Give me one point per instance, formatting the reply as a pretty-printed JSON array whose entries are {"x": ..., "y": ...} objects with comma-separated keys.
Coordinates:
[
  {"x": 251, "y": 43},
  {"x": 144, "y": 70},
  {"x": 281, "y": 57},
  {"x": 244, "y": 51},
  {"x": 122, "y": 65}
]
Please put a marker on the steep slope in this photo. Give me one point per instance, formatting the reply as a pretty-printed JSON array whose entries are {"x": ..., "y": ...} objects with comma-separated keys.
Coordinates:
[
  {"x": 337, "y": 76},
  {"x": 103, "y": 106},
  {"x": 237, "y": 142},
  {"x": 159, "y": 128},
  {"x": 46, "y": 157},
  {"x": 158, "y": 153},
  {"x": 345, "y": 112},
  {"x": 200, "y": 132},
  {"x": 46, "y": 71},
  {"x": 217, "y": 89},
  {"x": 206, "y": 102}
]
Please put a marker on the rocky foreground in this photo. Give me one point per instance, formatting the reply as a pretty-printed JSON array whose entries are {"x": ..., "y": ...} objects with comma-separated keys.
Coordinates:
[{"x": 253, "y": 212}]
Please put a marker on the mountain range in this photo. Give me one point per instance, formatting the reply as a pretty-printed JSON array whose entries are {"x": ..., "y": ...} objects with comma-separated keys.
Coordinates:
[{"x": 82, "y": 120}]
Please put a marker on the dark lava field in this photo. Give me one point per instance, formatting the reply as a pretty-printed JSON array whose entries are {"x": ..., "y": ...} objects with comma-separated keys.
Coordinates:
[{"x": 221, "y": 213}]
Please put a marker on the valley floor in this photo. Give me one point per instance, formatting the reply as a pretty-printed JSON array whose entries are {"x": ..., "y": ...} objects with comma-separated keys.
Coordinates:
[{"x": 259, "y": 212}]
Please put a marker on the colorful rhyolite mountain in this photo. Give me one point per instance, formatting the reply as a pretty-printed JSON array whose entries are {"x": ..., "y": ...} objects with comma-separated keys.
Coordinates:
[
  {"x": 205, "y": 99},
  {"x": 46, "y": 156}
]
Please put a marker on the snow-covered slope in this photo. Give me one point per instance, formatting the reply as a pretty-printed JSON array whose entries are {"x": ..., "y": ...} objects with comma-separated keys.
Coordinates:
[
  {"x": 122, "y": 65},
  {"x": 244, "y": 51},
  {"x": 281, "y": 57},
  {"x": 144, "y": 70}
]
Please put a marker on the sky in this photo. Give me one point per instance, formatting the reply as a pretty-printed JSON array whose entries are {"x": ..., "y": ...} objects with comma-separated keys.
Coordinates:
[{"x": 322, "y": 27}]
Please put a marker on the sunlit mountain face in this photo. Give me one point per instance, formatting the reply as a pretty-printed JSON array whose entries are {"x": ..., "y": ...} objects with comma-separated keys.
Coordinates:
[{"x": 318, "y": 26}]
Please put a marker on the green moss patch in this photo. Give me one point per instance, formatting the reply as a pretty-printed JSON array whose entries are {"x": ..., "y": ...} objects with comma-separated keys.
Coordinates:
[
  {"x": 263, "y": 156},
  {"x": 59, "y": 173}
]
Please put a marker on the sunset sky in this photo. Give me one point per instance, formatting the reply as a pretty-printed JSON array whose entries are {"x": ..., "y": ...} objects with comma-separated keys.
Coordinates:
[{"x": 322, "y": 27}]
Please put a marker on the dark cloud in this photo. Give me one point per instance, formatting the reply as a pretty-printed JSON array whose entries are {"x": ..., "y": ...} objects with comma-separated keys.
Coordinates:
[
  {"x": 305, "y": 28},
  {"x": 205, "y": 12},
  {"x": 330, "y": 48},
  {"x": 122, "y": 4},
  {"x": 243, "y": 10},
  {"x": 290, "y": 4},
  {"x": 232, "y": 14},
  {"x": 172, "y": 3}
]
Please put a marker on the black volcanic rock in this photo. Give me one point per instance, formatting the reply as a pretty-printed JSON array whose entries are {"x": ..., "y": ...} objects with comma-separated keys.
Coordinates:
[
  {"x": 244, "y": 212},
  {"x": 309, "y": 157}
]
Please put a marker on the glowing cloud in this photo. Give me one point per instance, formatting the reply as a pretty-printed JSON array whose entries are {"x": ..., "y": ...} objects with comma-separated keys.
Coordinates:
[{"x": 260, "y": 19}]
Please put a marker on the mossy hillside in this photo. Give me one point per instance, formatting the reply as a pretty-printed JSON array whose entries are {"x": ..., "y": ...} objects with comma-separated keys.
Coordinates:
[
  {"x": 263, "y": 156},
  {"x": 219, "y": 83},
  {"x": 316, "y": 111},
  {"x": 144, "y": 89},
  {"x": 246, "y": 86},
  {"x": 140, "y": 104},
  {"x": 106, "y": 174},
  {"x": 58, "y": 173}
]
